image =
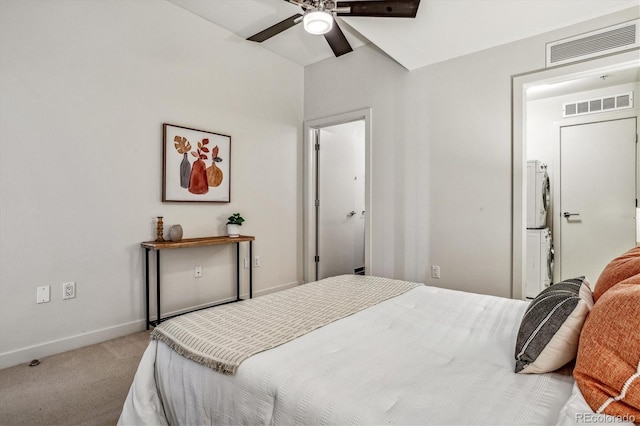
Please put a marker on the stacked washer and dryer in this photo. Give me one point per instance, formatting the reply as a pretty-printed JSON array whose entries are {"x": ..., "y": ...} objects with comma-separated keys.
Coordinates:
[{"x": 539, "y": 244}]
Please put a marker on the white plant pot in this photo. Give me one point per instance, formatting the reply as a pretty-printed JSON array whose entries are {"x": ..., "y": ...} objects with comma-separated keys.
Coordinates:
[{"x": 233, "y": 230}]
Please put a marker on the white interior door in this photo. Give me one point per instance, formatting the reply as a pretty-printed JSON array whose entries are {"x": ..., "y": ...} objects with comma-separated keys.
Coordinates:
[
  {"x": 597, "y": 195},
  {"x": 341, "y": 187}
]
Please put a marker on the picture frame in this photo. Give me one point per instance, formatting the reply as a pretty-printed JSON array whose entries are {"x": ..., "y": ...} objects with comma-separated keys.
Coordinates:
[{"x": 196, "y": 165}]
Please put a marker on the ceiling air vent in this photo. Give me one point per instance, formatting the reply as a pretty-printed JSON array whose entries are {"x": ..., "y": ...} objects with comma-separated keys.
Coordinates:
[
  {"x": 595, "y": 43},
  {"x": 604, "y": 104}
]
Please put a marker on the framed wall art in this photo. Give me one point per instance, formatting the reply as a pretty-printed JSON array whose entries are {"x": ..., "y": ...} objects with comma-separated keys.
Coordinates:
[{"x": 196, "y": 165}]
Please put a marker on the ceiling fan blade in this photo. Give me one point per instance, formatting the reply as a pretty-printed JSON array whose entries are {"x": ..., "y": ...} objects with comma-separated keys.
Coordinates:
[
  {"x": 275, "y": 29},
  {"x": 381, "y": 9},
  {"x": 300, "y": 3},
  {"x": 337, "y": 41}
]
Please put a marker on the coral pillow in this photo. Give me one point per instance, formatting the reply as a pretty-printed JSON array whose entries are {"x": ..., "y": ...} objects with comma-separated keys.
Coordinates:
[
  {"x": 619, "y": 269},
  {"x": 631, "y": 280},
  {"x": 608, "y": 363}
]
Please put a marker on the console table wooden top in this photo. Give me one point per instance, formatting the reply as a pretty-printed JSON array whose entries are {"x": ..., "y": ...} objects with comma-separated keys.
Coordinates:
[{"x": 196, "y": 242}]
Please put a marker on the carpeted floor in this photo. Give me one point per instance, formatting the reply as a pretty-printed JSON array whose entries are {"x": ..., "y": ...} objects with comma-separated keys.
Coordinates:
[{"x": 86, "y": 386}]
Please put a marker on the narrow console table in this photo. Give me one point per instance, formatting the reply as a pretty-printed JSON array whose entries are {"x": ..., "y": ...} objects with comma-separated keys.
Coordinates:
[{"x": 158, "y": 246}]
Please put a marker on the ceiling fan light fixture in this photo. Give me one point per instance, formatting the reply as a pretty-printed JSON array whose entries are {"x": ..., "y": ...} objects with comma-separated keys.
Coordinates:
[{"x": 318, "y": 22}]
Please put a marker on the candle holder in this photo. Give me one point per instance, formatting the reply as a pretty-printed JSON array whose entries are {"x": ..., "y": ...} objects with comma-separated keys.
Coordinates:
[{"x": 160, "y": 230}]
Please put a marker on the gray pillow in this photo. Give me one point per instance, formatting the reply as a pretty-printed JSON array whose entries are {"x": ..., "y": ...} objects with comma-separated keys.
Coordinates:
[{"x": 550, "y": 328}]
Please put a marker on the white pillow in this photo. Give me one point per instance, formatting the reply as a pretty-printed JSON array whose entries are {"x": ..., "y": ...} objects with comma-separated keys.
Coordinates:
[{"x": 576, "y": 411}]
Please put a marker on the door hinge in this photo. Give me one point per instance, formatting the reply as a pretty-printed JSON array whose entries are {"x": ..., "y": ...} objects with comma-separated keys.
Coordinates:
[
  {"x": 317, "y": 147},
  {"x": 317, "y": 203},
  {"x": 317, "y": 259}
]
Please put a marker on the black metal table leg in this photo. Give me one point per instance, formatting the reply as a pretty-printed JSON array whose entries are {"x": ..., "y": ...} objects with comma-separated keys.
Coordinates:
[
  {"x": 238, "y": 271},
  {"x": 146, "y": 268},
  {"x": 158, "y": 286},
  {"x": 250, "y": 269}
]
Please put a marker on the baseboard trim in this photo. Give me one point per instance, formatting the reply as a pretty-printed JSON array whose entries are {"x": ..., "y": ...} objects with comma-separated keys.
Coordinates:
[
  {"x": 12, "y": 358},
  {"x": 271, "y": 289},
  {"x": 19, "y": 356}
]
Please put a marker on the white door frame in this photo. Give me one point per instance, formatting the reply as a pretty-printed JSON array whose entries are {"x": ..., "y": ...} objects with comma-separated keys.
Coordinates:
[
  {"x": 309, "y": 222},
  {"x": 519, "y": 84}
]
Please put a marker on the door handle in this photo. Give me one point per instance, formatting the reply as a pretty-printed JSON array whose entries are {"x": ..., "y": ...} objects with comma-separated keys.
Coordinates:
[
  {"x": 351, "y": 213},
  {"x": 568, "y": 215}
]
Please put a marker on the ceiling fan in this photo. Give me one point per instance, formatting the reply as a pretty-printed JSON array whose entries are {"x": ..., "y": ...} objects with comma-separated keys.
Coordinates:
[{"x": 318, "y": 17}]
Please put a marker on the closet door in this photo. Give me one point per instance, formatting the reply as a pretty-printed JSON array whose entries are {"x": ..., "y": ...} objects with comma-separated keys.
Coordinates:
[{"x": 597, "y": 195}]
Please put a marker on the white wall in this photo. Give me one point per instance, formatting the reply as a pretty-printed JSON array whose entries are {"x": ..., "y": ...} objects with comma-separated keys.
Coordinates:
[
  {"x": 86, "y": 87},
  {"x": 369, "y": 79},
  {"x": 441, "y": 155}
]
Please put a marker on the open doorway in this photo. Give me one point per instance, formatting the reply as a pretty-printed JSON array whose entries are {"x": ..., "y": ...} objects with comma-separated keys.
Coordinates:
[
  {"x": 337, "y": 214},
  {"x": 559, "y": 81},
  {"x": 340, "y": 208}
]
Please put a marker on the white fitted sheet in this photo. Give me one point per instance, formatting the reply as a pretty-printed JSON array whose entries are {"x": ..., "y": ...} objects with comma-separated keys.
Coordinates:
[{"x": 428, "y": 356}]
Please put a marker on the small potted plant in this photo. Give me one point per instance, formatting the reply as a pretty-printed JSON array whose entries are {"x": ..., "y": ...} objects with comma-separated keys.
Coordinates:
[{"x": 234, "y": 222}]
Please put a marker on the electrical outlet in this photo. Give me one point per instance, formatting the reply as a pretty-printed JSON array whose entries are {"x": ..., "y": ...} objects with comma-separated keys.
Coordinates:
[
  {"x": 247, "y": 263},
  {"x": 43, "y": 294},
  {"x": 197, "y": 271},
  {"x": 435, "y": 271},
  {"x": 256, "y": 261},
  {"x": 68, "y": 290}
]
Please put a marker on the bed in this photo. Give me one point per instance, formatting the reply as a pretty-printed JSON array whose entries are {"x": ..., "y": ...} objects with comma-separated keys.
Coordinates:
[{"x": 425, "y": 355}]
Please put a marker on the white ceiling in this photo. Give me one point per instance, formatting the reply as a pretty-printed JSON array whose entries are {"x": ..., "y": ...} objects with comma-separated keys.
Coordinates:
[{"x": 442, "y": 29}]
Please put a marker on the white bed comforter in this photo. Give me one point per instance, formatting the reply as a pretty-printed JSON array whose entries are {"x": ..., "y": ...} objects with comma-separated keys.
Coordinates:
[{"x": 428, "y": 356}]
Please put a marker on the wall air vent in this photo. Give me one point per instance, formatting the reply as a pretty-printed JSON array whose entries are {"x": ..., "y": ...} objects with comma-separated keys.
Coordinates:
[
  {"x": 595, "y": 43},
  {"x": 604, "y": 104}
]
